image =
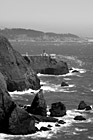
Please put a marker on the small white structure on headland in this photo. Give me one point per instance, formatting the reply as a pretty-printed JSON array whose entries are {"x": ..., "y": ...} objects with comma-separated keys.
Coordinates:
[
  {"x": 53, "y": 56},
  {"x": 26, "y": 54}
]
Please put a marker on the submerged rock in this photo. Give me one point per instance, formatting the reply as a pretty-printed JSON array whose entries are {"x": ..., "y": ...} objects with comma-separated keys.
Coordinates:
[
  {"x": 18, "y": 74},
  {"x": 57, "y": 125},
  {"x": 61, "y": 122},
  {"x": 63, "y": 84},
  {"x": 44, "y": 128},
  {"x": 38, "y": 105},
  {"x": 57, "y": 110},
  {"x": 75, "y": 71}
]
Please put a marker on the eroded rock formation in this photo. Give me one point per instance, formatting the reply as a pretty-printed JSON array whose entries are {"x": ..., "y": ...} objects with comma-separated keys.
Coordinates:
[
  {"x": 47, "y": 65},
  {"x": 13, "y": 119},
  {"x": 58, "y": 109},
  {"x": 38, "y": 105}
]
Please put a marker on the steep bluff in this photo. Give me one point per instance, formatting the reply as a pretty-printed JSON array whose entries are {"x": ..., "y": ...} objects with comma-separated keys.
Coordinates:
[
  {"x": 18, "y": 74},
  {"x": 47, "y": 65}
]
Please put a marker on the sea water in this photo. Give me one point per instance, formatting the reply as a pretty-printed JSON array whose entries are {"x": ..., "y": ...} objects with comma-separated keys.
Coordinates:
[{"x": 78, "y": 57}]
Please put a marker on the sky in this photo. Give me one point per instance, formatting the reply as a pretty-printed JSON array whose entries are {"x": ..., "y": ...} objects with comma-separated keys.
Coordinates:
[{"x": 59, "y": 16}]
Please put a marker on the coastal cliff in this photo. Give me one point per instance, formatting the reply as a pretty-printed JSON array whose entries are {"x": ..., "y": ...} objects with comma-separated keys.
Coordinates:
[
  {"x": 18, "y": 74},
  {"x": 47, "y": 65}
]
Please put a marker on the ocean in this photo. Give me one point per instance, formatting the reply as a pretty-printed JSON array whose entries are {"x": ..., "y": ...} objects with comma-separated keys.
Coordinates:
[{"x": 78, "y": 56}]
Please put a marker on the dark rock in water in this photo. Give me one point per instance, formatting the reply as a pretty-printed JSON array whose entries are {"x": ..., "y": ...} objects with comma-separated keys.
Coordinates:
[
  {"x": 88, "y": 108},
  {"x": 57, "y": 109},
  {"x": 49, "y": 125},
  {"x": 48, "y": 65},
  {"x": 20, "y": 122},
  {"x": 80, "y": 118},
  {"x": 75, "y": 71},
  {"x": 18, "y": 74},
  {"x": 44, "y": 128},
  {"x": 82, "y": 105},
  {"x": 44, "y": 118},
  {"x": 57, "y": 125},
  {"x": 61, "y": 122},
  {"x": 63, "y": 84},
  {"x": 38, "y": 105}
]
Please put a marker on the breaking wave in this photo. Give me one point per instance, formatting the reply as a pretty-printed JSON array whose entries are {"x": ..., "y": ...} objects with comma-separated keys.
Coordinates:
[
  {"x": 67, "y": 128},
  {"x": 71, "y": 73}
]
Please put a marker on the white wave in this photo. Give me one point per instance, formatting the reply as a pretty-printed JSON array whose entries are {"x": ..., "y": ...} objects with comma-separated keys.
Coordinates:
[
  {"x": 45, "y": 75},
  {"x": 68, "y": 118},
  {"x": 42, "y": 83},
  {"x": 71, "y": 73},
  {"x": 72, "y": 85},
  {"x": 29, "y": 91},
  {"x": 79, "y": 70},
  {"x": 85, "y": 111},
  {"x": 56, "y": 88},
  {"x": 80, "y": 130},
  {"x": 48, "y": 88},
  {"x": 67, "y": 79},
  {"x": 90, "y": 137}
]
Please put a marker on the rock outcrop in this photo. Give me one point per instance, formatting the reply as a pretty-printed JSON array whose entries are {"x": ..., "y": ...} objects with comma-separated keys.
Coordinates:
[
  {"x": 6, "y": 105},
  {"x": 13, "y": 119},
  {"x": 57, "y": 110},
  {"x": 82, "y": 105},
  {"x": 38, "y": 106},
  {"x": 20, "y": 122},
  {"x": 47, "y": 65},
  {"x": 14, "y": 67}
]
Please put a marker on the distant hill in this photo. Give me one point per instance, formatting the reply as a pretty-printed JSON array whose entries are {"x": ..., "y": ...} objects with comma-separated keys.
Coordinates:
[{"x": 20, "y": 34}]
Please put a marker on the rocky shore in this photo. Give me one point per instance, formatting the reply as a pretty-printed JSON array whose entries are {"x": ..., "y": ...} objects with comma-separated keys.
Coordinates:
[{"x": 17, "y": 74}]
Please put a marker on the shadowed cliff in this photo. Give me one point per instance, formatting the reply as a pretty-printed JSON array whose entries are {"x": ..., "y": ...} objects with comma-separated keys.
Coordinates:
[{"x": 18, "y": 75}]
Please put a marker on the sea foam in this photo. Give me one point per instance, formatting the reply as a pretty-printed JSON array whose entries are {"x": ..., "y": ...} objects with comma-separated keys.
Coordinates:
[{"x": 53, "y": 133}]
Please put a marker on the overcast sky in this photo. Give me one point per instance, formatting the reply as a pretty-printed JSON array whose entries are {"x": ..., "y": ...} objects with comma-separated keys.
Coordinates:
[{"x": 61, "y": 16}]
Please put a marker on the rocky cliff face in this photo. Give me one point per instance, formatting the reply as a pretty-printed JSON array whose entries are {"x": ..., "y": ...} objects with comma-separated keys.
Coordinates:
[
  {"x": 47, "y": 65},
  {"x": 13, "y": 119},
  {"x": 18, "y": 74}
]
